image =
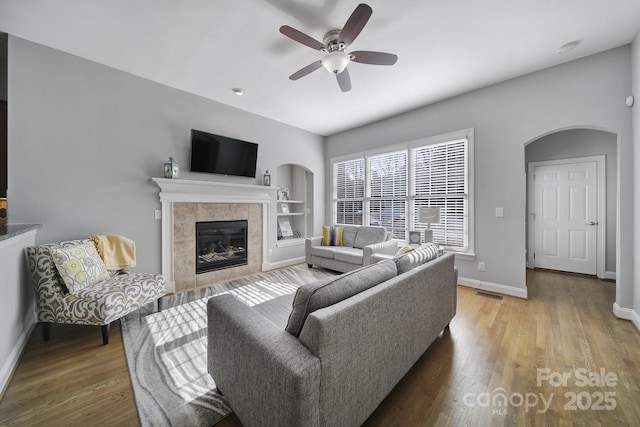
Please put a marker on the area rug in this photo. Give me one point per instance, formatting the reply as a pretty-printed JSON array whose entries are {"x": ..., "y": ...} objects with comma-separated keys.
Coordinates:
[{"x": 167, "y": 352}]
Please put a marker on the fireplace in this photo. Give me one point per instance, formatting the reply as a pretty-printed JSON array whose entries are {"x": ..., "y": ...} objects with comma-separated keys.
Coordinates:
[{"x": 220, "y": 244}]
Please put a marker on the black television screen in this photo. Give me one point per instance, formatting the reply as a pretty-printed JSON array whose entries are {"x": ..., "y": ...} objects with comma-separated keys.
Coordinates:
[{"x": 222, "y": 155}]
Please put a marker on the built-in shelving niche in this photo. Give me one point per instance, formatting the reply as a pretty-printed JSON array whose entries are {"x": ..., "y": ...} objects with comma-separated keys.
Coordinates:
[{"x": 294, "y": 204}]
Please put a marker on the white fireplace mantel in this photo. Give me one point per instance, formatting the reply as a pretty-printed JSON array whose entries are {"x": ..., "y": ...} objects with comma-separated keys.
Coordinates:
[
  {"x": 180, "y": 190},
  {"x": 190, "y": 191}
]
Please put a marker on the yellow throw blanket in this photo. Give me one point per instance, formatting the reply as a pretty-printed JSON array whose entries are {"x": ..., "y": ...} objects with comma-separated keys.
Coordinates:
[{"x": 117, "y": 252}]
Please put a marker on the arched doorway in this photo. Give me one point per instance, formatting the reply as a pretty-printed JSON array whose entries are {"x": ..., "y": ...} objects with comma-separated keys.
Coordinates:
[{"x": 570, "y": 144}]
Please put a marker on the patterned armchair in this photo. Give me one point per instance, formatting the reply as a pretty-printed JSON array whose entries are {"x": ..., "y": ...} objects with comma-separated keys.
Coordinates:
[{"x": 93, "y": 302}]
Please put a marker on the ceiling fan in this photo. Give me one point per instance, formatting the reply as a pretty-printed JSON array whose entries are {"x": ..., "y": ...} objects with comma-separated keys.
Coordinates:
[{"x": 335, "y": 44}]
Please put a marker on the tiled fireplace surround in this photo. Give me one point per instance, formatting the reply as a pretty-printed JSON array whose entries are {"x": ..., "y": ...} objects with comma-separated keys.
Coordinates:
[{"x": 186, "y": 202}]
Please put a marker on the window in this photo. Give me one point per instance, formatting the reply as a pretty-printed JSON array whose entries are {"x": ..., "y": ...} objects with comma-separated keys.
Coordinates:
[
  {"x": 349, "y": 187},
  {"x": 388, "y": 189},
  {"x": 387, "y": 193},
  {"x": 441, "y": 181}
]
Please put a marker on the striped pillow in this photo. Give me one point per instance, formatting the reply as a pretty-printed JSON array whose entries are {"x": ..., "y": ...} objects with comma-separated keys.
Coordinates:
[
  {"x": 413, "y": 259},
  {"x": 332, "y": 235}
]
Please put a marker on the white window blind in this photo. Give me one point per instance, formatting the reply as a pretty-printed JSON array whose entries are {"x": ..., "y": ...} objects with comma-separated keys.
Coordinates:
[
  {"x": 388, "y": 192},
  {"x": 388, "y": 189},
  {"x": 441, "y": 181},
  {"x": 349, "y": 187}
]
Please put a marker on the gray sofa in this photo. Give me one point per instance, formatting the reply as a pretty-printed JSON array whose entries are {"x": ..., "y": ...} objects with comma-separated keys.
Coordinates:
[
  {"x": 360, "y": 242},
  {"x": 345, "y": 344}
]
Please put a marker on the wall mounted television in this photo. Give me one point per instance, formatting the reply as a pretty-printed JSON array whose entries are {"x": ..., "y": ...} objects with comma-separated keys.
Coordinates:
[{"x": 222, "y": 155}]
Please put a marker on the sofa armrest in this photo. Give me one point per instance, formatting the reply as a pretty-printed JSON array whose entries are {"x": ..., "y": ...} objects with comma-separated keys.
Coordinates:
[
  {"x": 308, "y": 243},
  {"x": 389, "y": 247},
  {"x": 266, "y": 374}
]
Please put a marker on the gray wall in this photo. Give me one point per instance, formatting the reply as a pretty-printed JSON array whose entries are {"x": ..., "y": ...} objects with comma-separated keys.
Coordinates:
[
  {"x": 587, "y": 93},
  {"x": 581, "y": 143},
  {"x": 85, "y": 141},
  {"x": 635, "y": 55},
  {"x": 3, "y": 97}
]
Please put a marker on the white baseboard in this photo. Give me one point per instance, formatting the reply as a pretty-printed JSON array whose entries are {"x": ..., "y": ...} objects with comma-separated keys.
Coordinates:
[
  {"x": 627, "y": 314},
  {"x": 266, "y": 266},
  {"x": 10, "y": 364},
  {"x": 493, "y": 287},
  {"x": 610, "y": 275}
]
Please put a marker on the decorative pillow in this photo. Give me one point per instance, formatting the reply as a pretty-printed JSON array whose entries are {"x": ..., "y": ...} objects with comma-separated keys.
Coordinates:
[
  {"x": 349, "y": 235},
  {"x": 404, "y": 250},
  {"x": 416, "y": 257},
  {"x": 79, "y": 266},
  {"x": 368, "y": 235},
  {"x": 329, "y": 291},
  {"x": 331, "y": 236}
]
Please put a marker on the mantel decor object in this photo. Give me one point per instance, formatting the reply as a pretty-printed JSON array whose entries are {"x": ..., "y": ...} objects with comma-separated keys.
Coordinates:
[
  {"x": 267, "y": 179},
  {"x": 171, "y": 169}
]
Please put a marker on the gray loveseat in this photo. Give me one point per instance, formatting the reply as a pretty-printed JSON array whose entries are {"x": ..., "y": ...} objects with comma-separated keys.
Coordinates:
[
  {"x": 347, "y": 342},
  {"x": 359, "y": 243}
]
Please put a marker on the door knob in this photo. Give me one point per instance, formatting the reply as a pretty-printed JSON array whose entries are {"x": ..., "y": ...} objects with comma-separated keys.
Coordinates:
[{"x": 591, "y": 223}]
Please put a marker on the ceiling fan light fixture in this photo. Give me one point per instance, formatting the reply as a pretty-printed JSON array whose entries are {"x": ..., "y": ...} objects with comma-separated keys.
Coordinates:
[{"x": 335, "y": 62}]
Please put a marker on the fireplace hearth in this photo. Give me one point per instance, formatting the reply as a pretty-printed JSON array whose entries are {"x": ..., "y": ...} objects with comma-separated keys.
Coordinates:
[{"x": 220, "y": 244}]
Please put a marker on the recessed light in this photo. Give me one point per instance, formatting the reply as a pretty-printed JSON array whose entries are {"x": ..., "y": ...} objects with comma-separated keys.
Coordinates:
[
  {"x": 238, "y": 91},
  {"x": 567, "y": 47}
]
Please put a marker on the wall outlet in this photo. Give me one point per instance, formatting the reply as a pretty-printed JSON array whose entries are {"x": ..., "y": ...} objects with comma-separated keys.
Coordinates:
[
  {"x": 270, "y": 252},
  {"x": 157, "y": 214},
  {"x": 499, "y": 212},
  {"x": 480, "y": 266}
]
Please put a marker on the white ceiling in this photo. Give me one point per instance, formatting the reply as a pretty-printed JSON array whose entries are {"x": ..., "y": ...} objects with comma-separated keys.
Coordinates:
[{"x": 445, "y": 47}]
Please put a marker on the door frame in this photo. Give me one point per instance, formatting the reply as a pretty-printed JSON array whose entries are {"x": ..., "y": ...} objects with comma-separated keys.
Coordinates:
[{"x": 601, "y": 203}]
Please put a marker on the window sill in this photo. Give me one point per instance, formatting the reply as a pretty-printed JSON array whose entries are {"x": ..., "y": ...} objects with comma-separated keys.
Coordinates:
[{"x": 463, "y": 256}]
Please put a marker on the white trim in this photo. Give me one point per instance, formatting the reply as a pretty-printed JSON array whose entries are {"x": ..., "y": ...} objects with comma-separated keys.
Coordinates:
[
  {"x": 189, "y": 191},
  {"x": 601, "y": 196},
  {"x": 22, "y": 234},
  {"x": 11, "y": 363},
  {"x": 463, "y": 255},
  {"x": 23, "y": 321},
  {"x": 493, "y": 287},
  {"x": 284, "y": 263},
  {"x": 430, "y": 140},
  {"x": 627, "y": 314},
  {"x": 610, "y": 275},
  {"x": 468, "y": 134},
  {"x": 182, "y": 190},
  {"x": 285, "y": 243}
]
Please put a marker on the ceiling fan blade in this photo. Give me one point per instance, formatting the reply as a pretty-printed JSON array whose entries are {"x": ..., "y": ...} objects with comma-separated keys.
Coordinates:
[
  {"x": 344, "y": 81},
  {"x": 355, "y": 23},
  {"x": 301, "y": 37},
  {"x": 375, "y": 58},
  {"x": 306, "y": 70}
]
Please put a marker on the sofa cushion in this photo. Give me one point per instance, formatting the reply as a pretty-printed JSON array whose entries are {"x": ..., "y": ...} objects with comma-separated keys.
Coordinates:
[
  {"x": 331, "y": 235},
  {"x": 350, "y": 255},
  {"x": 79, "y": 266},
  {"x": 329, "y": 291},
  {"x": 322, "y": 251},
  {"x": 416, "y": 257},
  {"x": 369, "y": 235},
  {"x": 349, "y": 235}
]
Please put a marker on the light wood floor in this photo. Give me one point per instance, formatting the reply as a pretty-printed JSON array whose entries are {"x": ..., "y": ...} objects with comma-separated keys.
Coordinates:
[{"x": 493, "y": 348}]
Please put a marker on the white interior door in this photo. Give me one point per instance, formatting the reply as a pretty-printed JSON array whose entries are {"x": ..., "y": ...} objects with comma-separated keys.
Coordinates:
[{"x": 566, "y": 218}]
